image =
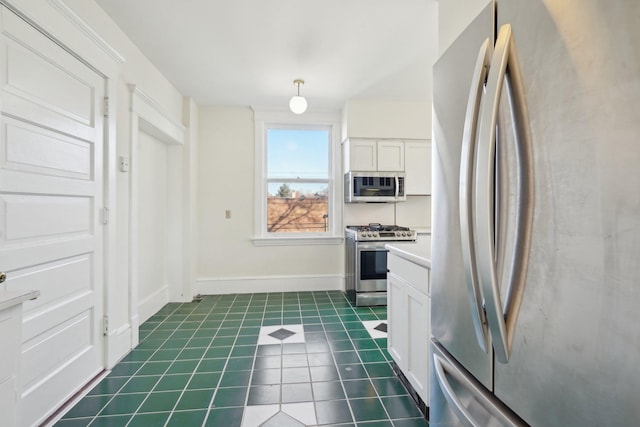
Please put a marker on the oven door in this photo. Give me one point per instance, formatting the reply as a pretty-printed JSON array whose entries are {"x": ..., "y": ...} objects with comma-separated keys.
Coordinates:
[{"x": 371, "y": 267}]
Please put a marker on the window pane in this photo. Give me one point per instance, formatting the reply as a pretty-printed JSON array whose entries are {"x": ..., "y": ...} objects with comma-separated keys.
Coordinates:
[
  {"x": 297, "y": 208},
  {"x": 297, "y": 153}
]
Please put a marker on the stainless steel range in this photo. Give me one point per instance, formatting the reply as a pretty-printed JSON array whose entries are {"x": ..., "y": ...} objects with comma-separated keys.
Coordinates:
[{"x": 366, "y": 260}]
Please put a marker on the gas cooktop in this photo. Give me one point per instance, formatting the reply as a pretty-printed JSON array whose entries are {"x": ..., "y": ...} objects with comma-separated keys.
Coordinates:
[{"x": 379, "y": 232}]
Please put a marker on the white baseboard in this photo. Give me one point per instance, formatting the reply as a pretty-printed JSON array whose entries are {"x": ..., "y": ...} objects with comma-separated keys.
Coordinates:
[
  {"x": 152, "y": 304},
  {"x": 118, "y": 343},
  {"x": 257, "y": 284}
]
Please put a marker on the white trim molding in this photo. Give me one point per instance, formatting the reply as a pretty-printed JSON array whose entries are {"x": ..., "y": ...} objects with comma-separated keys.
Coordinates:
[
  {"x": 119, "y": 344},
  {"x": 257, "y": 284},
  {"x": 154, "y": 119},
  {"x": 79, "y": 23},
  {"x": 152, "y": 304},
  {"x": 148, "y": 116},
  {"x": 297, "y": 241}
]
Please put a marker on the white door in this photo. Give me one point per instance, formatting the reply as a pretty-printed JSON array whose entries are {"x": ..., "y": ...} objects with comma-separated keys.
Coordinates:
[{"x": 51, "y": 169}]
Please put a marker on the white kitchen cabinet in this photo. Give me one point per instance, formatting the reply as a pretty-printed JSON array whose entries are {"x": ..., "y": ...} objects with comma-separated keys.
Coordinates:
[
  {"x": 417, "y": 166},
  {"x": 391, "y": 156},
  {"x": 408, "y": 311},
  {"x": 11, "y": 341},
  {"x": 396, "y": 313},
  {"x": 10, "y": 326},
  {"x": 364, "y": 155}
]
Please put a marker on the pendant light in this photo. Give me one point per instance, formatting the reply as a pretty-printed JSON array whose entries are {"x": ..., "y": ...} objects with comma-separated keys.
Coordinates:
[{"x": 298, "y": 104}]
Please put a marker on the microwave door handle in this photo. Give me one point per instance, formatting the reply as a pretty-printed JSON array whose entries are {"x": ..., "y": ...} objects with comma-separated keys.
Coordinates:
[
  {"x": 467, "y": 169},
  {"x": 397, "y": 186},
  {"x": 502, "y": 319}
]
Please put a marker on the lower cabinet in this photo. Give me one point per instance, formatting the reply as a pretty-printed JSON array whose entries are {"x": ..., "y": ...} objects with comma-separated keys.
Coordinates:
[
  {"x": 10, "y": 327},
  {"x": 408, "y": 318},
  {"x": 10, "y": 353}
]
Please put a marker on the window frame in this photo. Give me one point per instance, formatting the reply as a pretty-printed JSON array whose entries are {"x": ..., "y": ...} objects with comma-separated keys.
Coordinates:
[{"x": 264, "y": 120}]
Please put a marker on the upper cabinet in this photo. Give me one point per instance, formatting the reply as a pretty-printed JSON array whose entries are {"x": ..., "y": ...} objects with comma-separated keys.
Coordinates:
[
  {"x": 417, "y": 164},
  {"x": 413, "y": 157},
  {"x": 390, "y": 156},
  {"x": 364, "y": 155}
]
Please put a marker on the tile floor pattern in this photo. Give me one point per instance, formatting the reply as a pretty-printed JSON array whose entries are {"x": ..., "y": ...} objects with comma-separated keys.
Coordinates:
[{"x": 249, "y": 360}]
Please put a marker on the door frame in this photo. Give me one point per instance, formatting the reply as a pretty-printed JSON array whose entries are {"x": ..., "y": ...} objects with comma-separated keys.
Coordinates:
[{"x": 149, "y": 117}]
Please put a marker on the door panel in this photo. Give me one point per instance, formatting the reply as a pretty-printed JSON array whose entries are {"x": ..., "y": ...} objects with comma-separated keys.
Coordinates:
[
  {"x": 451, "y": 320},
  {"x": 51, "y": 137},
  {"x": 576, "y": 347}
]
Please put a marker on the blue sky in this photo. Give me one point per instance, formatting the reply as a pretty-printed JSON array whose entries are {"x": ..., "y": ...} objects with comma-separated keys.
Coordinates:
[{"x": 298, "y": 153}]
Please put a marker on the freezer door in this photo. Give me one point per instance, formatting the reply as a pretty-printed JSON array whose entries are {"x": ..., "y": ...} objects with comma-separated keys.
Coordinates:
[
  {"x": 453, "y": 323},
  {"x": 457, "y": 399},
  {"x": 576, "y": 346}
]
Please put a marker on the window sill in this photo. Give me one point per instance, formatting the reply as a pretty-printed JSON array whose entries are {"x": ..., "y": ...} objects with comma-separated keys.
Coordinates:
[{"x": 296, "y": 241}]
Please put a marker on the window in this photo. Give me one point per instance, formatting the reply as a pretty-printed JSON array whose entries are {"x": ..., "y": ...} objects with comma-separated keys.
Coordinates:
[{"x": 297, "y": 199}]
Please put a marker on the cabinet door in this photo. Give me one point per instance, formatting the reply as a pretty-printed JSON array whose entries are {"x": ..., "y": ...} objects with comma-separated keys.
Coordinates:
[
  {"x": 396, "y": 319},
  {"x": 391, "y": 156},
  {"x": 417, "y": 167},
  {"x": 362, "y": 155},
  {"x": 8, "y": 402},
  {"x": 417, "y": 356}
]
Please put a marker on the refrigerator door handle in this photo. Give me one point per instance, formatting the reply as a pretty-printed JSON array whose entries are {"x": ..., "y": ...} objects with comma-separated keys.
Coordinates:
[
  {"x": 473, "y": 405},
  {"x": 454, "y": 402},
  {"x": 466, "y": 184},
  {"x": 502, "y": 318}
]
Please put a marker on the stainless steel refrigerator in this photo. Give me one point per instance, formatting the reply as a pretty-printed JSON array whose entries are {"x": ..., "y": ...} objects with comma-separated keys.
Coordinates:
[{"x": 536, "y": 218}]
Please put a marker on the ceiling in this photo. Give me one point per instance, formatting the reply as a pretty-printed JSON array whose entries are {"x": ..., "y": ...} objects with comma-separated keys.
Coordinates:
[{"x": 248, "y": 52}]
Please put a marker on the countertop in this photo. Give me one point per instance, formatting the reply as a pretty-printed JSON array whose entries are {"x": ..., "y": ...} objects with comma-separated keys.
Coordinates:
[
  {"x": 418, "y": 252},
  {"x": 10, "y": 298},
  {"x": 422, "y": 230}
]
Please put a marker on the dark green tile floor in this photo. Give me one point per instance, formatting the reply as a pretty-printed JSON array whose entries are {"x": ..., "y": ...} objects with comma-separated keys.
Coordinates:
[{"x": 200, "y": 364}]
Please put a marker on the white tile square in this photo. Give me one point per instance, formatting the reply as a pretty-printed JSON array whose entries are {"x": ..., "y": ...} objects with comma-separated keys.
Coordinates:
[
  {"x": 255, "y": 415},
  {"x": 371, "y": 324},
  {"x": 265, "y": 338},
  {"x": 258, "y": 414},
  {"x": 303, "y": 412}
]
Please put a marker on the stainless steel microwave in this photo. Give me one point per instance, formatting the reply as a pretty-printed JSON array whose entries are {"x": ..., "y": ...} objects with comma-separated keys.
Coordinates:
[{"x": 374, "y": 187}]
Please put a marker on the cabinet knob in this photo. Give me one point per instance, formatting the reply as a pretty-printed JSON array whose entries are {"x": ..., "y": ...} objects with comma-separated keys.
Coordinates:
[{"x": 3, "y": 277}]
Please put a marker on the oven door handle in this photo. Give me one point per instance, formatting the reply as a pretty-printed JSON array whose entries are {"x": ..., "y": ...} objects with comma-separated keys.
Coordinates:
[{"x": 366, "y": 247}]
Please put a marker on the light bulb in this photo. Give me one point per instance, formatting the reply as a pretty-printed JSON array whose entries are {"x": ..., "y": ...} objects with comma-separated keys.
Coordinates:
[{"x": 298, "y": 104}]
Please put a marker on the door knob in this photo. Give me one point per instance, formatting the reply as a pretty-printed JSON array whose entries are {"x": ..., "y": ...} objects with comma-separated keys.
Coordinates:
[{"x": 3, "y": 277}]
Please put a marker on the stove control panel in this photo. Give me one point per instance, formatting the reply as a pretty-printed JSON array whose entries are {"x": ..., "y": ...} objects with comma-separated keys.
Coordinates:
[{"x": 387, "y": 235}]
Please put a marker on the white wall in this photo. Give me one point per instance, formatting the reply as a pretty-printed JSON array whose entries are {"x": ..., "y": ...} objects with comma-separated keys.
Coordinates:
[
  {"x": 454, "y": 17},
  {"x": 387, "y": 119},
  {"x": 228, "y": 261}
]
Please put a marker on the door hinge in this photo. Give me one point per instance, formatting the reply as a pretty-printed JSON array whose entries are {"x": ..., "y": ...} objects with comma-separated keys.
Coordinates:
[
  {"x": 105, "y": 215},
  {"x": 105, "y": 106},
  {"x": 105, "y": 325}
]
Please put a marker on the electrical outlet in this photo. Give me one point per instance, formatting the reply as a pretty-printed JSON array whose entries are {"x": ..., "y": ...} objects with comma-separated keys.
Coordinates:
[
  {"x": 124, "y": 164},
  {"x": 227, "y": 214}
]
